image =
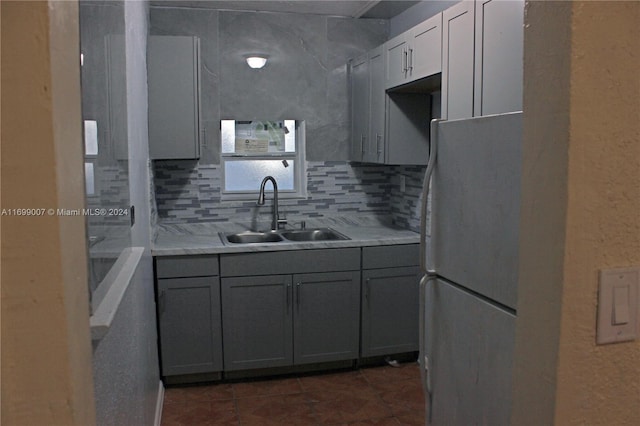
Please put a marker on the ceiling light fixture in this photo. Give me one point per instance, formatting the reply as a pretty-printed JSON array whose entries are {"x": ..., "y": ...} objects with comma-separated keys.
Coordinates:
[{"x": 256, "y": 61}]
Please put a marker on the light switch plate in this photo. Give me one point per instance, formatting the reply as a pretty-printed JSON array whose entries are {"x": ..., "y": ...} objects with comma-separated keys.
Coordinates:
[{"x": 618, "y": 300}]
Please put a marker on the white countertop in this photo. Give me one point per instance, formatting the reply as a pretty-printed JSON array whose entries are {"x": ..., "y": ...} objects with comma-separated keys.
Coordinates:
[{"x": 204, "y": 238}]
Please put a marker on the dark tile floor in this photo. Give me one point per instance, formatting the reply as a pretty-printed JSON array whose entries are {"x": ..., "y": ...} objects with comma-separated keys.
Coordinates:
[{"x": 369, "y": 396}]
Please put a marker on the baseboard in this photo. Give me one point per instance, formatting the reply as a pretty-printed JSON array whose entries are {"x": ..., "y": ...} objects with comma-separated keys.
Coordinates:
[{"x": 159, "y": 403}]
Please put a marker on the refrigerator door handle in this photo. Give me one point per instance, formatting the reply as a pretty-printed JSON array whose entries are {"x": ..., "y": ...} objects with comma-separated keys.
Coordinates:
[
  {"x": 433, "y": 151},
  {"x": 429, "y": 274}
]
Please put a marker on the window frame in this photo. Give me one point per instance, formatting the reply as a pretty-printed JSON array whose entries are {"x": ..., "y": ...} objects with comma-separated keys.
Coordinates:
[{"x": 299, "y": 173}]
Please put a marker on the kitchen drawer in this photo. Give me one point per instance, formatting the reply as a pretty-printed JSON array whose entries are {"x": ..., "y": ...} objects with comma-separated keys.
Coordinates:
[
  {"x": 290, "y": 262},
  {"x": 390, "y": 256},
  {"x": 186, "y": 266}
]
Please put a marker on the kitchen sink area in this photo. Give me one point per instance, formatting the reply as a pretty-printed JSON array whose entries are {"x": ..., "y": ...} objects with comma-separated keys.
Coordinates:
[{"x": 284, "y": 236}]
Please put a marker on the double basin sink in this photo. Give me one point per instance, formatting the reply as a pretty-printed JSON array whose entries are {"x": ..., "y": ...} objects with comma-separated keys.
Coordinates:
[{"x": 284, "y": 236}]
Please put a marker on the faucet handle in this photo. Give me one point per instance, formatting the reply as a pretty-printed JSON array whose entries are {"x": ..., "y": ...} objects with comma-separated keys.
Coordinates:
[{"x": 281, "y": 223}]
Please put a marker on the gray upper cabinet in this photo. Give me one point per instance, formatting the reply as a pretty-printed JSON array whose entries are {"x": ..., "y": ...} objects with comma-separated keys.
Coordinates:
[
  {"x": 390, "y": 128},
  {"x": 498, "y": 56},
  {"x": 414, "y": 54},
  {"x": 174, "y": 98},
  {"x": 458, "y": 61},
  {"x": 482, "y": 58},
  {"x": 359, "y": 75},
  {"x": 377, "y": 97}
]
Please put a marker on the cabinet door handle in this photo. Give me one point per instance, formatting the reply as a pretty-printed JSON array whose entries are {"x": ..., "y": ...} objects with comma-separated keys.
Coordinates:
[
  {"x": 410, "y": 59},
  {"x": 298, "y": 295},
  {"x": 367, "y": 290},
  {"x": 161, "y": 302},
  {"x": 405, "y": 56},
  {"x": 378, "y": 140},
  {"x": 288, "y": 296},
  {"x": 362, "y": 139}
]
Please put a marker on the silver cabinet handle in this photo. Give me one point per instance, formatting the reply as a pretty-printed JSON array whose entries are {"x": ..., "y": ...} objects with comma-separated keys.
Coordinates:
[
  {"x": 288, "y": 296},
  {"x": 378, "y": 140},
  {"x": 367, "y": 290},
  {"x": 362, "y": 140},
  {"x": 298, "y": 295},
  {"x": 405, "y": 59},
  {"x": 410, "y": 59}
]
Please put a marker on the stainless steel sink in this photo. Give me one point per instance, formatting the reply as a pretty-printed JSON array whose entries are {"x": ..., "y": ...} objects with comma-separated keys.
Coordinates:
[
  {"x": 322, "y": 234},
  {"x": 290, "y": 236},
  {"x": 251, "y": 237}
]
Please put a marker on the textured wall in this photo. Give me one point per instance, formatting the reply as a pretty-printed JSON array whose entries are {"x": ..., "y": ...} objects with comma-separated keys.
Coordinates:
[
  {"x": 581, "y": 198},
  {"x": 46, "y": 352},
  {"x": 600, "y": 385},
  {"x": 125, "y": 364},
  {"x": 305, "y": 78}
]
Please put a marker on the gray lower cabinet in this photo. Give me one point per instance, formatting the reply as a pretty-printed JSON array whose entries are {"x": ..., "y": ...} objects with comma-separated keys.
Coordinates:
[
  {"x": 189, "y": 319},
  {"x": 291, "y": 313},
  {"x": 390, "y": 300},
  {"x": 257, "y": 322},
  {"x": 326, "y": 316},
  {"x": 280, "y": 320}
]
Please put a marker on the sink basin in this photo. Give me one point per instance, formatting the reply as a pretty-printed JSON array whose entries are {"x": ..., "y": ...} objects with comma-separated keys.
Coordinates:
[
  {"x": 252, "y": 237},
  {"x": 322, "y": 234},
  {"x": 290, "y": 236}
]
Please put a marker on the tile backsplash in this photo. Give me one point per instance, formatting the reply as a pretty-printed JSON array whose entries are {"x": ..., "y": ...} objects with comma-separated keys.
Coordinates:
[{"x": 186, "y": 191}]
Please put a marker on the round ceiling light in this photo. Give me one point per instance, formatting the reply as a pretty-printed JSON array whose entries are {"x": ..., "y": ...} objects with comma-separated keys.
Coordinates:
[{"x": 256, "y": 61}]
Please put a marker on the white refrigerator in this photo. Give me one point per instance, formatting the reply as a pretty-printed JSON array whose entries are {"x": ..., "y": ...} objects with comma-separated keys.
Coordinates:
[{"x": 470, "y": 266}]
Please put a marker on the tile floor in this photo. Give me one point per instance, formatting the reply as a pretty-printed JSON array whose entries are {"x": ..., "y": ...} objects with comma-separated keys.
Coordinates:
[{"x": 369, "y": 396}]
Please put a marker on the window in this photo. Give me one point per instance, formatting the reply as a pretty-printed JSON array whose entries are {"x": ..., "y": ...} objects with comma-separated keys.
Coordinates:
[{"x": 254, "y": 149}]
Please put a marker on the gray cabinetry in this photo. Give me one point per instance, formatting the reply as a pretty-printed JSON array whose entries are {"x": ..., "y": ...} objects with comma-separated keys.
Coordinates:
[
  {"x": 174, "y": 98},
  {"x": 457, "y": 61},
  {"x": 282, "y": 308},
  {"x": 189, "y": 315},
  {"x": 390, "y": 300},
  {"x": 498, "y": 56},
  {"x": 326, "y": 316},
  {"x": 414, "y": 54},
  {"x": 257, "y": 322},
  {"x": 482, "y": 58},
  {"x": 388, "y": 128},
  {"x": 360, "y": 108}
]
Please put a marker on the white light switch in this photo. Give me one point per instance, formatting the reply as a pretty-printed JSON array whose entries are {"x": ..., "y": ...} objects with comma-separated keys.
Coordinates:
[
  {"x": 620, "y": 304},
  {"x": 618, "y": 300}
]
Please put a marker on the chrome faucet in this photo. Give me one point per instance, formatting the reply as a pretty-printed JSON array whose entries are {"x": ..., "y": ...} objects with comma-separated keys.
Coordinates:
[{"x": 276, "y": 221}]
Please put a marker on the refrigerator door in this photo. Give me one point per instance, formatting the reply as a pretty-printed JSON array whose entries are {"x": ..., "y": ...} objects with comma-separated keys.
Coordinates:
[
  {"x": 477, "y": 204},
  {"x": 470, "y": 345}
]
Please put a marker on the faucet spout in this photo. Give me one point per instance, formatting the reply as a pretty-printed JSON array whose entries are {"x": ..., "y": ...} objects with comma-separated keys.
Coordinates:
[{"x": 276, "y": 221}]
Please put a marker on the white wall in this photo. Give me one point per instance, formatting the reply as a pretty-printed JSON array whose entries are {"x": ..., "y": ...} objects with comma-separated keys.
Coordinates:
[{"x": 416, "y": 14}]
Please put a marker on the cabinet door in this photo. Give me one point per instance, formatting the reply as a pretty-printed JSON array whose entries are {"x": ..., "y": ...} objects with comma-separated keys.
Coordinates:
[
  {"x": 189, "y": 321},
  {"x": 359, "y": 107},
  {"x": 425, "y": 50},
  {"x": 457, "y": 61},
  {"x": 498, "y": 56},
  {"x": 396, "y": 60},
  {"x": 390, "y": 305},
  {"x": 326, "y": 325},
  {"x": 377, "y": 96},
  {"x": 173, "y": 97},
  {"x": 256, "y": 318}
]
